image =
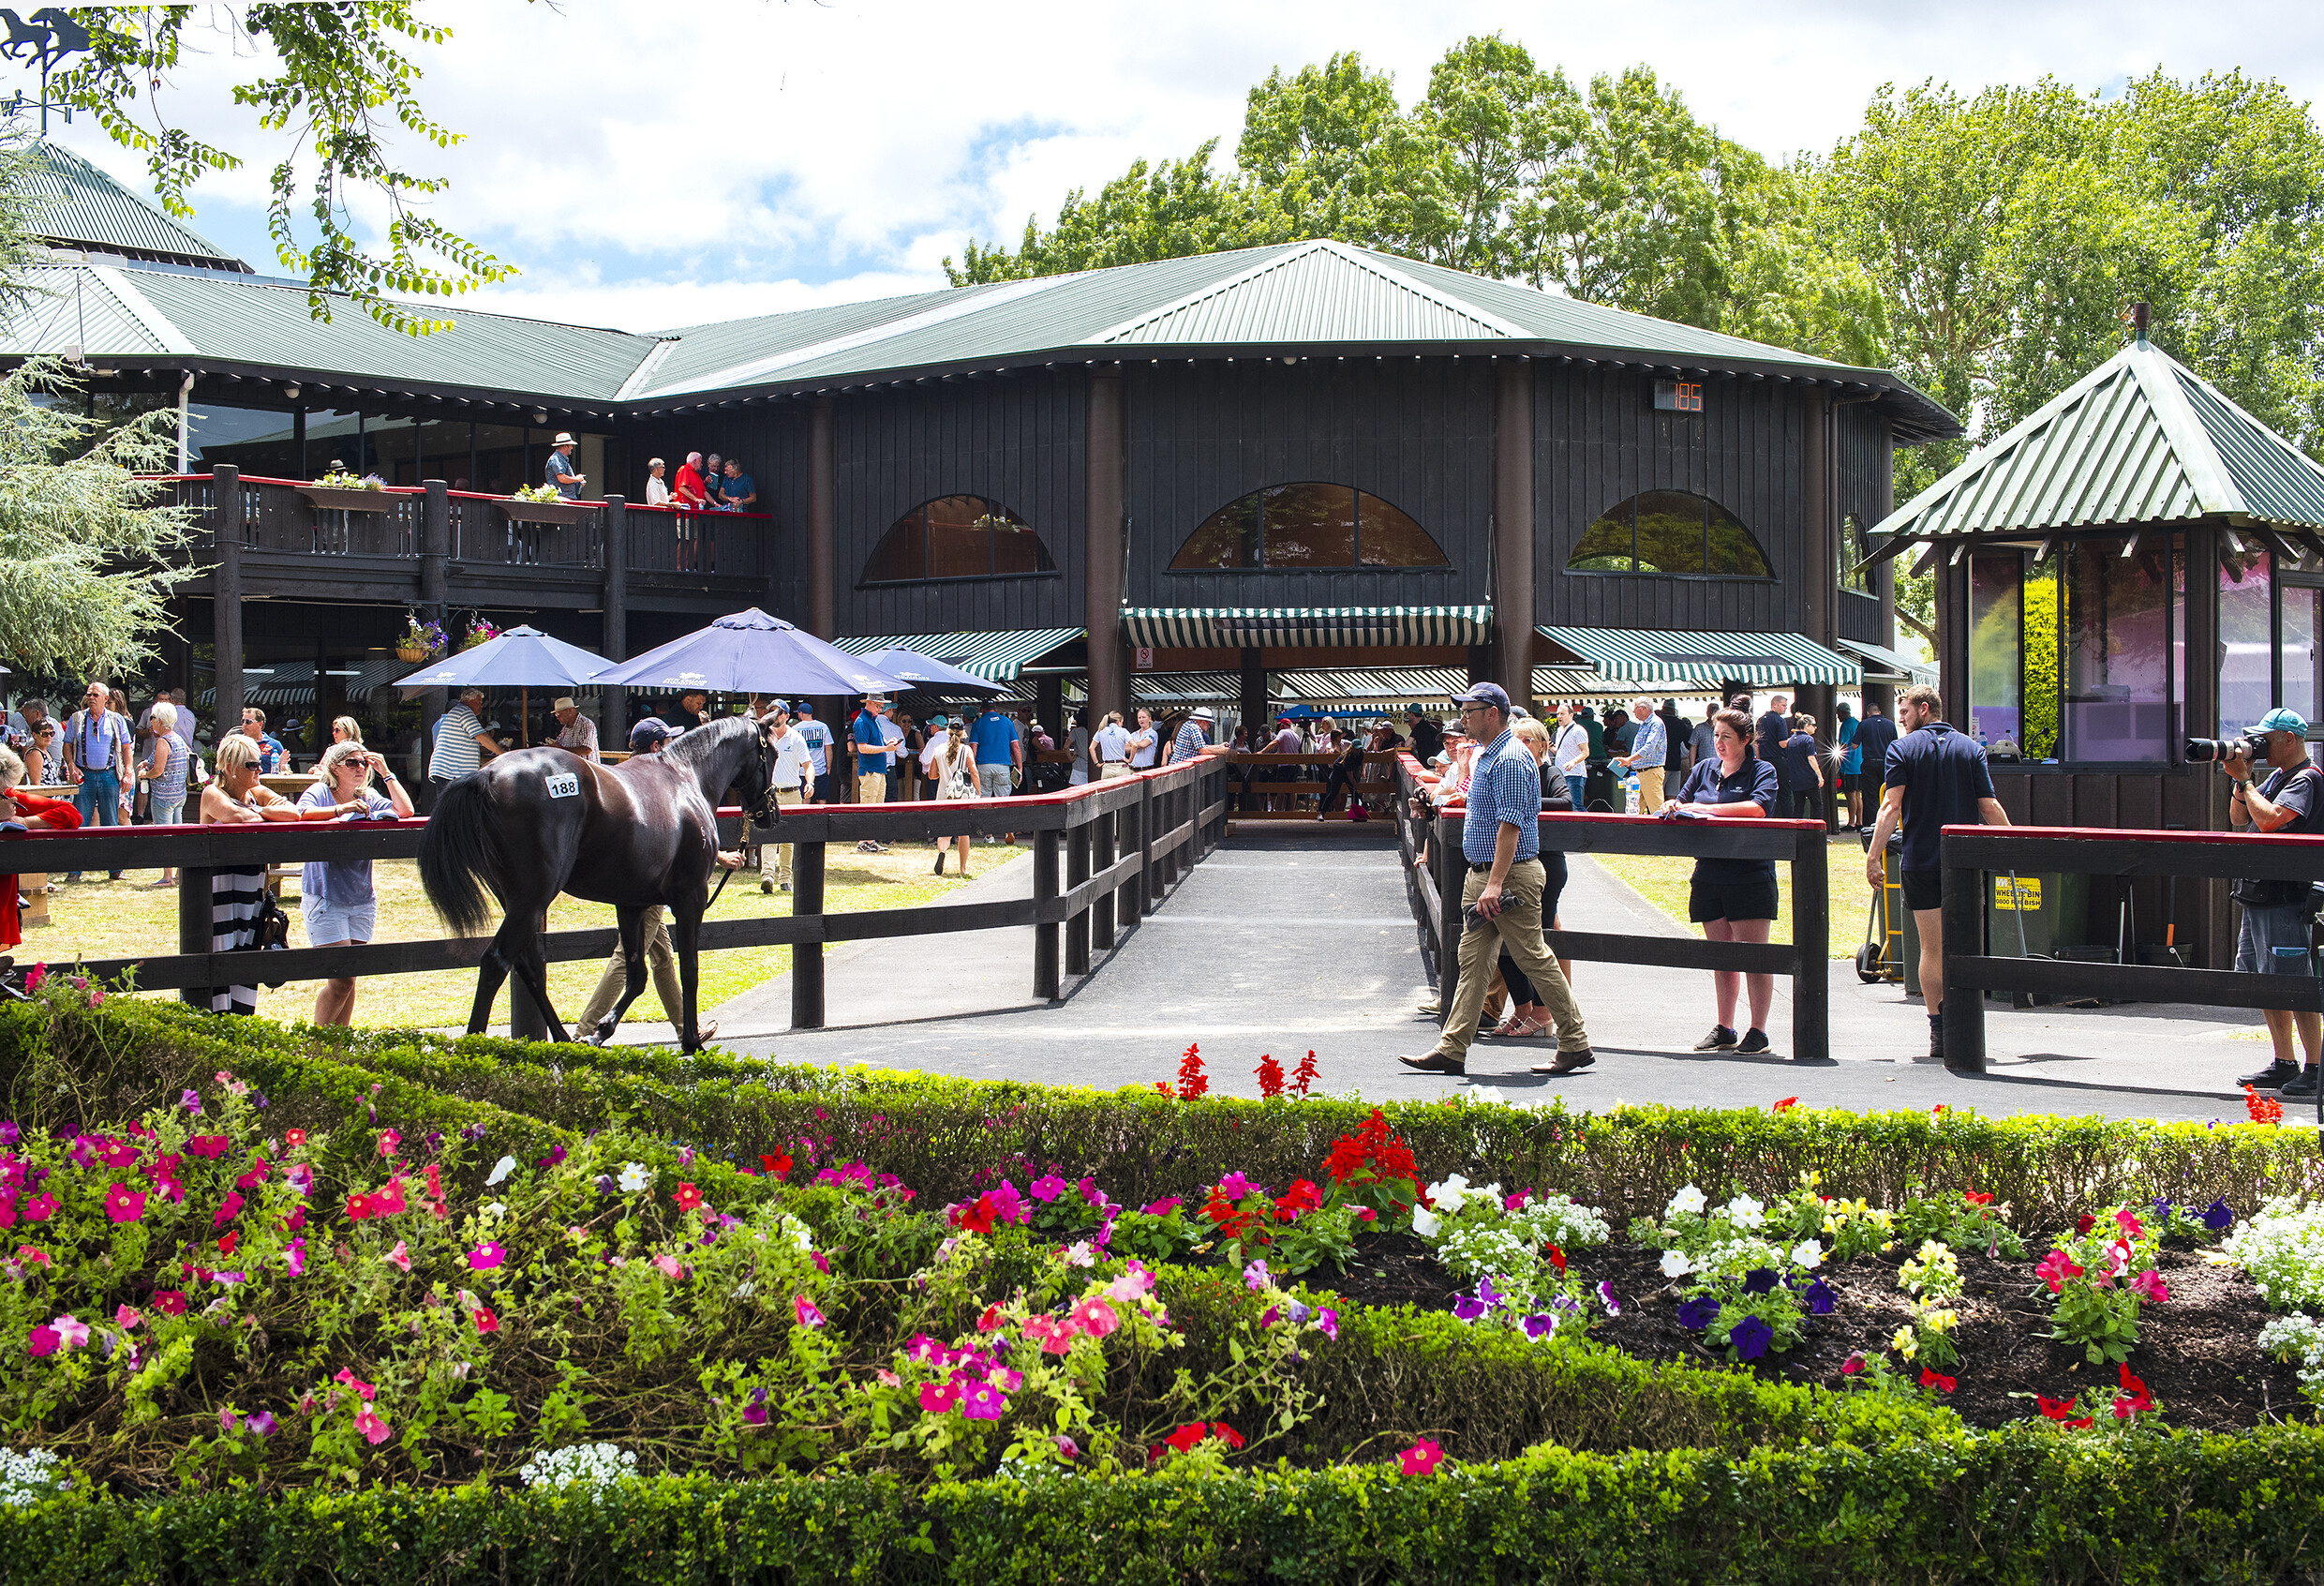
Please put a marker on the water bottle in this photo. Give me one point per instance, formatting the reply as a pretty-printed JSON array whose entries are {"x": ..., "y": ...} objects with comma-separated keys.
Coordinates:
[{"x": 1630, "y": 794}]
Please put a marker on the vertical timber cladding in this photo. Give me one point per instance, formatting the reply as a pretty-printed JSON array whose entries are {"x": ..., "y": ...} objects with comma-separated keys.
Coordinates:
[
  {"x": 1860, "y": 444},
  {"x": 1599, "y": 441},
  {"x": 1416, "y": 432},
  {"x": 1018, "y": 440}
]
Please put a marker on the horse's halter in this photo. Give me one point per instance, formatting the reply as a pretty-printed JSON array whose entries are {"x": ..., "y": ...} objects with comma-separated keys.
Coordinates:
[{"x": 769, "y": 808}]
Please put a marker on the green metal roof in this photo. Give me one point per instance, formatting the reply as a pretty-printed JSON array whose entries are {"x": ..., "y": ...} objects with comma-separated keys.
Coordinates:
[
  {"x": 2139, "y": 439},
  {"x": 1220, "y": 627},
  {"x": 1310, "y": 298},
  {"x": 1893, "y": 664},
  {"x": 79, "y": 206},
  {"x": 996, "y": 657},
  {"x": 1761, "y": 660}
]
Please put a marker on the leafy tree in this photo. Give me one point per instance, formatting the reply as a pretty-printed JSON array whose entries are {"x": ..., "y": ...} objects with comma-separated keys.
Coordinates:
[
  {"x": 343, "y": 74},
  {"x": 1330, "y": 151},
  {"x": 1180, "y": 208}
]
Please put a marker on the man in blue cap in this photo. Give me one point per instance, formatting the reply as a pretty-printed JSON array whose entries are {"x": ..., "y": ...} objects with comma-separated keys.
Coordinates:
[
  {"x": 2274, "y": 939},
  {"x": 1501, "y": 899}
]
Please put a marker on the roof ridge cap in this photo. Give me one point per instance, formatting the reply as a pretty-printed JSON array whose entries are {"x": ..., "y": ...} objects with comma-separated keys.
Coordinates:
[
  {"x": 2197, "y": 453},
  {"x": 1283, "y": 255},
  {"x": 653, "y": 359},
  {"x": 1389, "y": 268},
  {"x": 141, "y": 307}
]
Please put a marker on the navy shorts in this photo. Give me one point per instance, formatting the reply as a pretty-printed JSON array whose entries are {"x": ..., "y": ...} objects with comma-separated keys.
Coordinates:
[
  {"x": 1924, "y": 889},
  {"x": 1731, "y": 900}
]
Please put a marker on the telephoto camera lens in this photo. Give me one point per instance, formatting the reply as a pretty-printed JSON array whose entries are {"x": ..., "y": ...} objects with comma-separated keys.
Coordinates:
[{"x": 2201, "y": 749}]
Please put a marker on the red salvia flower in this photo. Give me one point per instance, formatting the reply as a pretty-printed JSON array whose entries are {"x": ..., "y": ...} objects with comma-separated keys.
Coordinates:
[
  {"x": 1305, "y": 1075},
  {"x": 1978, "y": 1197},
  {"x": 1270, "y": 1074},
  {"x": 1789, "y": 1101},
  {"x": 1192, "y": 1081},
  {"x": 2263, "y": 1108}
]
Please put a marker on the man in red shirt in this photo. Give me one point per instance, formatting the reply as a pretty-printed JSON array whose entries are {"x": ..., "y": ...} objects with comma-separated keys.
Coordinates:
[{"x": 689, "y": 492}]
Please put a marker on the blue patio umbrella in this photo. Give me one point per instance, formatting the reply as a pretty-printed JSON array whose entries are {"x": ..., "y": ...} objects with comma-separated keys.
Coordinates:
[
  {"x": 926, "y": 671},
  {"x": 521, "y": 658},
  {"x": 751, "y": 653}
]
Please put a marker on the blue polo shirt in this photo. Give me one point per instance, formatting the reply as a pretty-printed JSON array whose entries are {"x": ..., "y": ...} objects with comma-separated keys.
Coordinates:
[
  {"x": 871, "y": 745},
  {"x": 736, "y": 487},
  {"x": 1944, "y": 776},
  {"x": 1873, "y": 737},
  {"x": 1754, "y": 779},
  {"x": 993, "y": 733},
  {"x": 1504, "y": 791}
]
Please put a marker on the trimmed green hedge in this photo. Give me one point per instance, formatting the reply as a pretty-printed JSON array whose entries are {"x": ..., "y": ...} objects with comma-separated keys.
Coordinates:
[
  {"x": 939, "y": 1135},
  {"x": 2032, "y": 1506}
]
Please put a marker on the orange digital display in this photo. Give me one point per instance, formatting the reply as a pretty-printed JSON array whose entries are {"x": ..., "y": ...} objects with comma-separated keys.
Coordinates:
[{"x": 1678, "y": 396}]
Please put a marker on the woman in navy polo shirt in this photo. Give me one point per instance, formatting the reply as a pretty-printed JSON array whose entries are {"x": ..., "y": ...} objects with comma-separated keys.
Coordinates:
[{"x": 1732, "y": 900}]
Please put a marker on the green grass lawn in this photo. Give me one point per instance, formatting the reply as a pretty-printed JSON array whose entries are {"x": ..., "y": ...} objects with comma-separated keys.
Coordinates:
[
  {"x": 1663, "y": 883},
  {"x": 100, "y": 918}
]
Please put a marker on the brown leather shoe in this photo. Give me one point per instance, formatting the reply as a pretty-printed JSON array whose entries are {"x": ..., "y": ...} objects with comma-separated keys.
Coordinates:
[
  {"x": 1435, "y": 1063},
  {"x": 1568, "y": 1062}
]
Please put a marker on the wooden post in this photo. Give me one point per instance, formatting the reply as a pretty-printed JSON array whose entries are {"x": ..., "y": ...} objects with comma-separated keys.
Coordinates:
[
  {"x": 1077, "y": 923},
  {"x": 1148, "y": 893},
  {"x": 226, "y": 602},
  {"x": 1104, "y": 834},
  {"x": 193, "y": 924},
  {"x": 823, "y": 469},
  {"x": 1884, "y": 502},
  {"x": 1253, "y": 694},
  {"x": 1045, "y": 980},
  {"x": 1450, "y": 868},
  {"x": 435, "y": 564},
  {"x": 1964, "y": 937},
  {"x": 614, "y": 704},
  {"x": 1512, "y": 528},
  {"x": 1101, "y": 566},
  {"x": 1811, "y": 931},
  {"x": 807, "y": 957}
]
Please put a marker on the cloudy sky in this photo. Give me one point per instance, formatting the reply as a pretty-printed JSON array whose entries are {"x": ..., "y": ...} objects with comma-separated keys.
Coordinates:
[{"x": 652, "y": 166}]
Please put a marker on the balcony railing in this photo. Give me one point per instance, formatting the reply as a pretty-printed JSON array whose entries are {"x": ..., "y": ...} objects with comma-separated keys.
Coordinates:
[{"x": 279, "y": 517}]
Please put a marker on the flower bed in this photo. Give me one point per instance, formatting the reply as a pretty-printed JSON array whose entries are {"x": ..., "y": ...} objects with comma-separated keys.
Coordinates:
[{"x": 977, "y": 1320}]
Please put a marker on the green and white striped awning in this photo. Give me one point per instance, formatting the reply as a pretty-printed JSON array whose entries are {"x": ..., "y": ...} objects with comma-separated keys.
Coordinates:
[
  {"x": 1312, "y": 627},
  {"x": 1761, "y": 660},
  {"x": 996, "y": 657}
]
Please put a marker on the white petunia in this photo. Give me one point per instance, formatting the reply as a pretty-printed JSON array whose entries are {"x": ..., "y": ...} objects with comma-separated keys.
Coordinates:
[
  {"x": 500, "y": 1169},
  {"x": 1425, "y": 1222},
  {"x": 1689, "y": 1200},
  {"x": 1746, "y": 1212},
  {"x": 1675, "y": 1263},
  {"x": 1449, "y": 1196},
  {"x": 635, "y": 1177},
  {"x": 1808, "y": 1253}
]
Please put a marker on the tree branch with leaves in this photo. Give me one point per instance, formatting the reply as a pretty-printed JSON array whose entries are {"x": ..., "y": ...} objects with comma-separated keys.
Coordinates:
[{"x": 345, "y": 83}]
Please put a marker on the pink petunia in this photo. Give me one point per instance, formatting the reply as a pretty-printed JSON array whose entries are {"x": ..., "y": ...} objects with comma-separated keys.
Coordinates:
[
  {"x": 399, "y": 1257},
  {"x": 804, "y": 1309},
  {"x": 1095, "y": 1317},
  {"x": 2149, "y": 1285},
  {"x": 74, "y": 1333},
  {"x": 2055, "y": 1268},
  {"x": 40, "y": 1209},
  {"x": 373, "y": 1428},
  {"x": 935, "y": 1397},
  {"x": 296, "y": 1258},
  {"x": 227, "y": 1210},
  {"x": 346, "y": 1378},
  {"x": 389, "y": 1140},
  {"x": 126, "y": 1319},
  {"x": 2127, "y": 1224},
  {"x": 210, "y": 1146},
  {"x": 982, "y": 1401},
  {"x": 1422, "y": 1458},
  {"x": 486, "y": 1256},
  {"x": 485, "y": 1321},
  {"x": 124, "y": 1205},
  {"x": 669, "y": 1266},
  {"x": 44, "y": 1340},
  {"x": 170, "y": 1302}
]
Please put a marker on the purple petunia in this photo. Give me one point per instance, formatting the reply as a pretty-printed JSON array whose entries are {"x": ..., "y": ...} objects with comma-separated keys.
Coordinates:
[
  {"x": 1605, "y": 1293},
  {"x": 1541, "y": 1326},
  {"x": 1758, "y": 1280},
  {"x": 1699, "y": 1312},
  {"x": 1469, "y": 1308},
  {"x": 1821, "y": 1298},
  {"x": 191, "y": 1101},
  {"x": 2217, "y": 1216},
  {"x": 1234, "y": 1186},
  {"x": 1750, "y": 1337},
  {"x": 1327, "y": 1323},
  {"x": 1047, "y": 1188},
  {"x": 982, "y": 1401}
]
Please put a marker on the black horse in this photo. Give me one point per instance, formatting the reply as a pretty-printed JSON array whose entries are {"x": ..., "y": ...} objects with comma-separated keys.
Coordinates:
[{"x": 541, "y": 821}]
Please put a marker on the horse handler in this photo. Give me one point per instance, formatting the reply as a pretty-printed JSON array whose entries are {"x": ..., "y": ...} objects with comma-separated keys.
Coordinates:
[
  {"x": 648, "y": 737},
  {"x": 1502, "y": 900},
  {"x": 793, "y": 777}
]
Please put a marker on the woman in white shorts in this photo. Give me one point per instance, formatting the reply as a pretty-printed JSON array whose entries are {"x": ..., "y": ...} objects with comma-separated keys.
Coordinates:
[{"x": 341, "y": 911}]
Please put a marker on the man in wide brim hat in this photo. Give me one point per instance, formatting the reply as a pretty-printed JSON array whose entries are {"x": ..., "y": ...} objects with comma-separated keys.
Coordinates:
[{"x": 560, "y": 475}]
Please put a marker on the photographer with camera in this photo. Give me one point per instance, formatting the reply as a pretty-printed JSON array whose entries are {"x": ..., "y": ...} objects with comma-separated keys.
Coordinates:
[{"x": 2276, "y": 914}]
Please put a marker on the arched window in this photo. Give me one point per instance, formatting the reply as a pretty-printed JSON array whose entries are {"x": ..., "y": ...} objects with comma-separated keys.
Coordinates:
[
  {"x": 1856, "y": 543},
  {"x": 1670, "y": 531},
  {"x": 1305, "y": 528},
  {"x": 957, "y": 537}
]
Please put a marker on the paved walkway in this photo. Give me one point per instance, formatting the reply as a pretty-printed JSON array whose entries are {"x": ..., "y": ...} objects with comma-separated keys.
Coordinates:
[{"x": 1286, "y": 940}]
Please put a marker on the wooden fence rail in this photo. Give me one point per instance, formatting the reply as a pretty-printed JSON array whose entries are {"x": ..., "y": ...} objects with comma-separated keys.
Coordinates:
[
  {"x": 1973, "y": 853},
  {"x": 1143, "y": 832},
  {"x": 1435, "y": 898}
]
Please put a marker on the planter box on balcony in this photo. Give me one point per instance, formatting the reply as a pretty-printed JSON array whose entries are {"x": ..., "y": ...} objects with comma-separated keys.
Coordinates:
[
  {"x": 333, "y": 498},
  {"x": 547, "y": 511}
]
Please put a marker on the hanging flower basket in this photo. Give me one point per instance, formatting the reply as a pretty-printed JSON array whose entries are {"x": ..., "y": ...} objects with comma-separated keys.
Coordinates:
[
  {"x": 410, "y": 654},
  {"x": 335, "y": 499}
]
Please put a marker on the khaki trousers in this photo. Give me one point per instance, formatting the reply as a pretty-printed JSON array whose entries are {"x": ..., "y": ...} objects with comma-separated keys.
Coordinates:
[
  {"x": 774, "y": 858},
  {"x": 659, "y": 960},
  {"x": 1518, "y": 928},
  {"x": 872, "y": 787},
  {"x": 1650, "y": 790}
]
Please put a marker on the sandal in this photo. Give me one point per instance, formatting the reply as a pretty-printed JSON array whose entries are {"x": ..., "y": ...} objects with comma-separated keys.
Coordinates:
[{"x": 1524, "y": 1029}]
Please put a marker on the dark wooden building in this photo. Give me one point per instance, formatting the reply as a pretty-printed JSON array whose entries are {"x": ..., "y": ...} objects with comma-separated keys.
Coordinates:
[{"x": 1288, "y": 459}]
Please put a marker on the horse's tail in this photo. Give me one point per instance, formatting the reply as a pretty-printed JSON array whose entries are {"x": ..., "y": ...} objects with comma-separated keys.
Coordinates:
[{"x": 460, "y": 853}]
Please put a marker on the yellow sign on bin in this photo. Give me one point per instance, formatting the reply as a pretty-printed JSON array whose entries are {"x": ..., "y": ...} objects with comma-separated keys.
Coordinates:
[{"x": 2024, "y": 893}]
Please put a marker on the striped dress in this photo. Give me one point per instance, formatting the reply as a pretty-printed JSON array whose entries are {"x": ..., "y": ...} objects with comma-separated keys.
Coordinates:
[{"x": 236, "y": 897}]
